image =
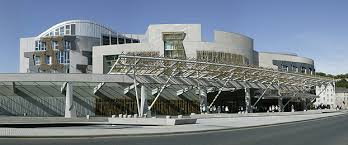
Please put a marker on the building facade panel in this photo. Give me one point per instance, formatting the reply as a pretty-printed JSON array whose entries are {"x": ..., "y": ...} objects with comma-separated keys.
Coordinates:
[{"x": 286, "y": 62}]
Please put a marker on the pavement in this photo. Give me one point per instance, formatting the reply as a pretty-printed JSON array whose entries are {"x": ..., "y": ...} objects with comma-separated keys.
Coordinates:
[{"x": 204, "y": 124}]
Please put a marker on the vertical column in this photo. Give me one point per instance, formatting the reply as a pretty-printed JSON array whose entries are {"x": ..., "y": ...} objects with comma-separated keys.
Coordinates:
[
  {"x": 247, "y": 100},
  {"x": 304, "y": 104},
  {"x": 69, "y": 107},
  {"x": 143, "y": 100},
  {"x": 109, "y": 37},
  {"x": 203, "y": 99},
  {"x": 280, "y": 104},
  {"x": 117, "y": 38}
]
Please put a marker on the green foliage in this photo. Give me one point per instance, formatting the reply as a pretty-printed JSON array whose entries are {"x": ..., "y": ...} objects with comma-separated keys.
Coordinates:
[
  {"x": 320, "y": 74},
  {"x": 342, "y": 78},
  {"x": 343, "y": 83}
]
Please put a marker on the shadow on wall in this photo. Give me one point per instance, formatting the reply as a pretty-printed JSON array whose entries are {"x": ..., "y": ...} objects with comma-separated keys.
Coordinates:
[{"x": 45, "y": 108}]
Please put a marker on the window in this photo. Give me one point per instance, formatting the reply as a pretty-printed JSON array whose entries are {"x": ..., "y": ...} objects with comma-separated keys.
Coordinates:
[
  {"x": 120, "y": 40},
  {"x": 37, "y": 60},
  {"x": 61, "y": 31},
  {"x": 285, "y": 68},
  {"x": 113, "y": 40},
  {"x": 105, "y": 40},
  {"x": 128, "y": 40},
  {"x": 67, "y": 45},
  {"x": 43, "y": 46},
  {"x": 51, "y": 33},
  {"x": 294, "y": 68},
  {"x": 67, "y": 29},
  {"x": 55, "y": 45},
  {"x": 72, "y": 30},
  {"x": 173, "y": 44},
  {"x": 48, "y": 59},
  {"x": 37, "y": 45},
  {"x": 303, "y": 70},
  {"x": 56, "y": 32},
  {"x": 63, "y": 57}
]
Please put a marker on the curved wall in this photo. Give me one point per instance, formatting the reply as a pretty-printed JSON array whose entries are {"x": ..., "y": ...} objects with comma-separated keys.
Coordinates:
[
  {"x": 234, "y": 42},
  {"x": 225, "y": 42},
  {"x": 276, "y": 60}
]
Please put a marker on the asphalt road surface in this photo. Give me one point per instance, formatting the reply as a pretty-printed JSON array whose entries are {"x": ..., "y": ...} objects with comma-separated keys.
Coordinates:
[{"x": 327, "y": 131}]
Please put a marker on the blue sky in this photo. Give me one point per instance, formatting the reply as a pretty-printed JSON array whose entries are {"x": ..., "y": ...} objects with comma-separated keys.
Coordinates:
[{"x": 311, "y": 28}]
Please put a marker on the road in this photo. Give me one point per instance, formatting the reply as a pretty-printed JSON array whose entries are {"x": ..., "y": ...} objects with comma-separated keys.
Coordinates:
[{"x": 327, "y": 131}]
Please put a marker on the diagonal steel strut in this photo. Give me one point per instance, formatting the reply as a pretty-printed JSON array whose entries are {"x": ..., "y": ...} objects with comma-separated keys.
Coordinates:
[{"x": 220, "y": 90}]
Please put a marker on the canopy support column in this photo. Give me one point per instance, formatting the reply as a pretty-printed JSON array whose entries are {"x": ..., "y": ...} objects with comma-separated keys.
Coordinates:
[
  {"x": 143, "y": 100},
  {"x": 70, "y": 111},
  {"x": 203, "y": 99},
  {"x": 280, "y": 104},
  {"x": 247, "y": 100}
]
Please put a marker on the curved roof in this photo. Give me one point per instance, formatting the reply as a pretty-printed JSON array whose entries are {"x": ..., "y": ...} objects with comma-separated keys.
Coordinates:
[
  {"x": 280, "y": 53},
  {"x": 234, "y": 33},
  {"x": 73, "y": 21},
  {"x": 287, "y": 57}
]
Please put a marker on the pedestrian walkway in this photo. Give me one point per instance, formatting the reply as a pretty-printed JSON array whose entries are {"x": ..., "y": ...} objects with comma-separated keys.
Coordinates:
[{"x": 203, "y": 124}]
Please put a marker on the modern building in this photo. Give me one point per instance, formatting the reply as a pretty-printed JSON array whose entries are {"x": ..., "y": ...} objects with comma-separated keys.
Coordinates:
[
  {"x": 67, "y": 47},
  {"x": 172, "y": 68},
  {"x": 287, "y": 62},
  {"x": 341, "y": 100},
  {"x": 180, "y": 41}
]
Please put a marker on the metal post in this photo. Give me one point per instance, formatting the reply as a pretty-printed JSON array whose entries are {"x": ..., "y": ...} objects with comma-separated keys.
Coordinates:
[
  {"x": 162, "y": 88},
  {"x": 280, "y": 99},
  {"x": 260, "y": 97},
  {"x": 109, "y": 37},
  {"x": 304, "y": 104},
  {"x": 203, "y": 99},
  {"x": 136, "y": 90},
  {"x": 143, "y": 100},
  {"x": 117, "y": 38},
  {"x": 220, "y": 90},
  {"x": 289, "y": 100},
  {"x": 280, "y": 104},
  {"x": 70, "y": 111},
  {"x": 247, "y": 100}
]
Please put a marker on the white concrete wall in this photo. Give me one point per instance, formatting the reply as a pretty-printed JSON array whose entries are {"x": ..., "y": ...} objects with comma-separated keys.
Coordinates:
[
  {"x": 26, "y": 45},
  {"x": 154, "y": 34},
  {"x": 100, "y": 51},
  {"x": 235, "y": 42}
]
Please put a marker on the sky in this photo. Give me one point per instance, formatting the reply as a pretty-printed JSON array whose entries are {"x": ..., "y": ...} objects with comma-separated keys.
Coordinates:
[{"x": 312, "y": 28}]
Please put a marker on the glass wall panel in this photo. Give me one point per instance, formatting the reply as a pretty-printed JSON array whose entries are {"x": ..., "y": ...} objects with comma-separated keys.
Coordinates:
[{"x": 173, "y": 45}]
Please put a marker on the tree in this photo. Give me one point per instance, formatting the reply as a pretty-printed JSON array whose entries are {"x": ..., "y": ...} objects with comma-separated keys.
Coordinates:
[{"x": 342, "y": 83}]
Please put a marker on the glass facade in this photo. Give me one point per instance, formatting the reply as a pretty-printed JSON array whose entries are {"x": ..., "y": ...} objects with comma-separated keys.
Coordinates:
[
  {"x": 63, "y": 30},
  {"x": 173, "y": 45},
  {"x": 37, "y": 60},
  {"x": 294, "y": 67},
  {"x": 113, "y": 40},
  {"x": 63, "y": 57}
]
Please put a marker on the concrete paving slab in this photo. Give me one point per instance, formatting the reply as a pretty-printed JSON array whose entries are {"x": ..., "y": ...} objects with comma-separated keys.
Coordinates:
[
  {"x": 152, "y": 121},
  {"x": 206, "y": 124}
]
